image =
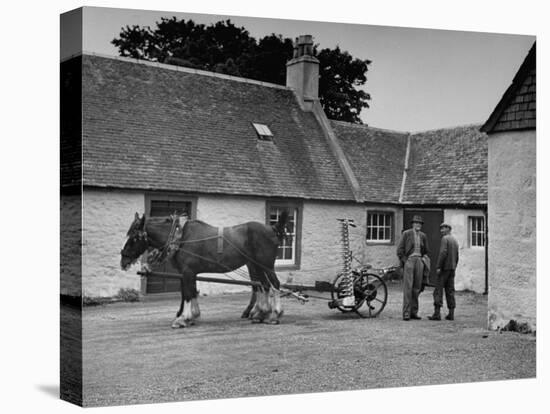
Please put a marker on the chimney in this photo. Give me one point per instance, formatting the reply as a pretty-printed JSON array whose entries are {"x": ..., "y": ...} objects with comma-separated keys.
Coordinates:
[{"x": 302, "y": 71}]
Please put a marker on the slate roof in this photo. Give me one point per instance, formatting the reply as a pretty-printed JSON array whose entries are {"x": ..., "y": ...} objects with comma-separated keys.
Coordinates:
[
  {"x": 152, "y": 127},
  {"x": 157, "y": 127},
  {"x": 377, "y": 157},
  {"x": 517, "y": 108},
  {"x": 447, "y": 166}
]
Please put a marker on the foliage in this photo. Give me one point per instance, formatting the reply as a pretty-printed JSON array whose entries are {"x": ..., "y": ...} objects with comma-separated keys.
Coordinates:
[
  {"x": 123, "y": 295},
  {"x": 339, "y": 75},
  {"x": 92, "y": 301},
  {"x": 128, "y": 295},
  {"x": 225, "y": 48}
]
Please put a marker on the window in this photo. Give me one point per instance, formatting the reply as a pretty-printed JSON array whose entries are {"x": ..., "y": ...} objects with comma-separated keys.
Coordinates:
[
  {"x": 477, "y": 231},
  {"x": 379, "y": 226},
  {"x": 161, "y": 208},
  {"x": 288, "y": 253},
  {"x": 264, "y": 133}
]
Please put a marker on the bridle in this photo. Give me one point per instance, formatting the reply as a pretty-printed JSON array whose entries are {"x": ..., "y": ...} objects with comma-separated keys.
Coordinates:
[
  {"x": 159, "y": 255},
  {"x": 136, "y": 236}
]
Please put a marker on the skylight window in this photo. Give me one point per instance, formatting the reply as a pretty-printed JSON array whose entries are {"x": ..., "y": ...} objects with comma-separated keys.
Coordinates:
[{"x": 264, "y": 133}]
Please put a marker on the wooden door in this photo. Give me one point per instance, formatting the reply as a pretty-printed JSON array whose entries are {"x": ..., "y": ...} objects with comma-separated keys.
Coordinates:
[
  {"x": 432, "y": 220},
  {"x": 163, "y": 208}
]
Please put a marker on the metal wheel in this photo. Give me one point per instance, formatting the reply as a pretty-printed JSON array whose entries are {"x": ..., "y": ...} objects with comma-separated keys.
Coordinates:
[{"x": 371, "y": 294}]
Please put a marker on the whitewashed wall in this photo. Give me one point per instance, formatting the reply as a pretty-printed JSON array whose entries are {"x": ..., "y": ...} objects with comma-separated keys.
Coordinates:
[
  {"x": 106, "y": 217},
  {"x": 512, "y": 228},
  {"x": 470, "y": 273},
  {"x": 108, "y": 214},
  {"x": 321, "y": 246}
]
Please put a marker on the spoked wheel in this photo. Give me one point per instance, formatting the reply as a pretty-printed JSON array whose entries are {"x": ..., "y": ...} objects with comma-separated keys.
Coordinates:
[{"x": 371, "y": 294}]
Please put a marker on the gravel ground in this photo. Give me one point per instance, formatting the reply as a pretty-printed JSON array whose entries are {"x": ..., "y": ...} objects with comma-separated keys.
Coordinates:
[{"x": 131, "y": 355}]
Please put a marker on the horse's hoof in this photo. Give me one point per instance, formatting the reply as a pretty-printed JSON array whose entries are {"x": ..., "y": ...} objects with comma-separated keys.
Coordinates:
[
  {"x": 177, "y": 325},
  {"x": 245, "y": 315},
  {"x": 256, "y": 320},
  {"x": 273, "y": 322}
]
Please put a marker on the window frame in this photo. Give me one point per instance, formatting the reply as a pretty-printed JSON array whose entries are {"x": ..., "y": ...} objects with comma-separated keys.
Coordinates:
[
  {"x": 471, "y": 231},
  {"x": 391, "y": 240},
  {"x": 298, "y": 206},
  {"x": 149, "y": 197},
  {"x": 263, "y": 131}
]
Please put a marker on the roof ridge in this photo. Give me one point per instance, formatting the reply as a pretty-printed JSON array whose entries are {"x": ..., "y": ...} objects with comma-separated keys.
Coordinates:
[
  {"x": 471, "y": 125},
  {"x": 180, "y": 69},
  {"x": 363, "y": 126}
]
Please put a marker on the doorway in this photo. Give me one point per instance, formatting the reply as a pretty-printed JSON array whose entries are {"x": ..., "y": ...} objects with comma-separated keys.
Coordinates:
[
  {"x": 163, "y": 206},
  {"x": 432, "y": 219}
]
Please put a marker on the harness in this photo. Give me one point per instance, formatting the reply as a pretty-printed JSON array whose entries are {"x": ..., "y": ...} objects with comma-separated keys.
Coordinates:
[{"x": 174, "y": 244}]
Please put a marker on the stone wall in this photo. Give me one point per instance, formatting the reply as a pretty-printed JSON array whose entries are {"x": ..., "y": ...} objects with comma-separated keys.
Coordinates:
[
  {"x": 107, "y": 215},
  {"x": 470, "y": 273},
  {"x": 70, "y": 243},
  {"x": 512, "y": 228}
]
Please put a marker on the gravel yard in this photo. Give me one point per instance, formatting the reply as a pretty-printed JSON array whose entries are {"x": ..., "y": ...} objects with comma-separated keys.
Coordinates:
[{"x": 131, "y": 355}]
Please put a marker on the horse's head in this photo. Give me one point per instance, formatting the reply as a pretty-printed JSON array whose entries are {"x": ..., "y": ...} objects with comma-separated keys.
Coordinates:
[{"x": 136, "y": 243}]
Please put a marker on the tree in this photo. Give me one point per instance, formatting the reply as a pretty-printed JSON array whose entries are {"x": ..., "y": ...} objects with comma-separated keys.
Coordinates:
[
  {"x": 225, "y": 48},
  {"x": 339, "y": 75}
]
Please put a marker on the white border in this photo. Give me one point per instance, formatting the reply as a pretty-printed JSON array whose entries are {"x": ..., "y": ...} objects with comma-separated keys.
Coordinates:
[{"x": 30, "y": 179}]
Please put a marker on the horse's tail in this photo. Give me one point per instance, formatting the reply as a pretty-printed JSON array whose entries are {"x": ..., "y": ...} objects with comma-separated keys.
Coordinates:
[{"x": 280, "y": 227}]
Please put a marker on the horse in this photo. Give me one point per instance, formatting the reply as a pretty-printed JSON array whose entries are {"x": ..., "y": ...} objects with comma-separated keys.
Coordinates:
[{"x": 198, "y": 247}]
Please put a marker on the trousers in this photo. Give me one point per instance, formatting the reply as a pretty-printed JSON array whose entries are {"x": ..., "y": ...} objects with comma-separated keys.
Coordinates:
[
  {"x": 445, "y": 282},
  {"x": 412, "y": 283}
]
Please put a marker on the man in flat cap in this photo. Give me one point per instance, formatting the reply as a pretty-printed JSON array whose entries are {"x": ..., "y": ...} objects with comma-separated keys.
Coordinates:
[
  {"x": 412, "y": 247},
  {"x": 446, "y": 266}
]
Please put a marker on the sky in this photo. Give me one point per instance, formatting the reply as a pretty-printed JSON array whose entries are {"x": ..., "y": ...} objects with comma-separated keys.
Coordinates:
[{"x": 419, "y": 79}]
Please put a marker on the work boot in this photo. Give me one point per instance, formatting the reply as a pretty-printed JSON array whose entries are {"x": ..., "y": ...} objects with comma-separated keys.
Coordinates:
[
  {"x": 437, "y": 314},
  {"x": 451, "y": 315}
]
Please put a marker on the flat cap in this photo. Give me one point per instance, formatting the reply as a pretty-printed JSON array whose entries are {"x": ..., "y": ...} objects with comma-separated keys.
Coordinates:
[{"x": 445, "y": 225}]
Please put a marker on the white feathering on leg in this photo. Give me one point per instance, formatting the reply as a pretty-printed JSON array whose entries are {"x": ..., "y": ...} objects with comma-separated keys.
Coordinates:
[
  {"x": 187, "y": 311},
  {"x": 278, "y": 307},
  {"x": 195, "y": 310}
]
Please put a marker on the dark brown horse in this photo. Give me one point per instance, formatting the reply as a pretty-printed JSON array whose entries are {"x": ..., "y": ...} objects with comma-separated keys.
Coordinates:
[{"x": 201, "y": 248}]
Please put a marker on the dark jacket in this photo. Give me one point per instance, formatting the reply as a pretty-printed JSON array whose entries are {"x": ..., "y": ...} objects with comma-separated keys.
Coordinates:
[
  {"x": 448, "y": 253},
  {"x": 406, "y": 245}
]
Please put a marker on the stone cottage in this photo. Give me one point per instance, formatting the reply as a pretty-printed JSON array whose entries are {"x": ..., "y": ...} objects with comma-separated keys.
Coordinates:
[
  {"x": 512, "y": 201},
  {"x": 155, "y": 138}
]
